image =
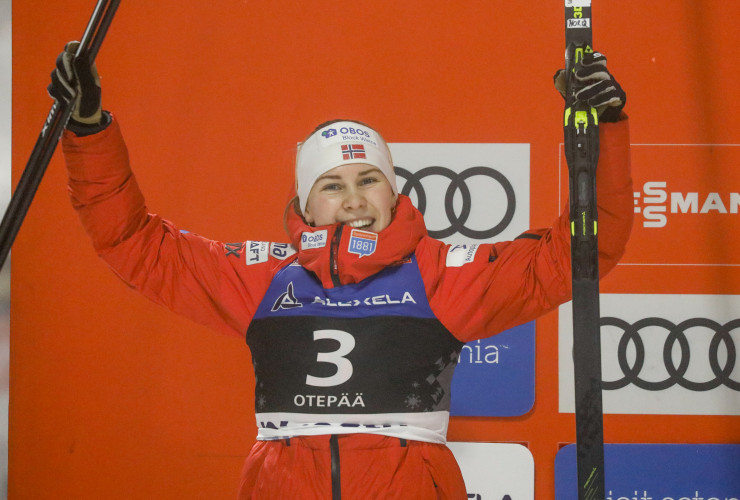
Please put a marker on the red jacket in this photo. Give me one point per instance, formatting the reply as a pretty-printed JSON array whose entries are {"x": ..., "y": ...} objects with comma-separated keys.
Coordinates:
[
  {"x": 508, "y": 283},
  {"x": 474, "y": 291}
]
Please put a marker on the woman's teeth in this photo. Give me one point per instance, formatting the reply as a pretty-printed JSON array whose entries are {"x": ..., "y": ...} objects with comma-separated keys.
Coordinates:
[{"x": 360, "y": 223}]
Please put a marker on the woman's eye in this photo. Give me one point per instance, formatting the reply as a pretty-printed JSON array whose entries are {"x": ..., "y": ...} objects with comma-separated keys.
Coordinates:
[
  {"x": 368, "y": 180},
  {"x": 331, "y": 187}
]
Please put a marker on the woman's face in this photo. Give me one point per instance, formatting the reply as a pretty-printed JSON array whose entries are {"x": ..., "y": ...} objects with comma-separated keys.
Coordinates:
[{"x": 358, "y": 195}]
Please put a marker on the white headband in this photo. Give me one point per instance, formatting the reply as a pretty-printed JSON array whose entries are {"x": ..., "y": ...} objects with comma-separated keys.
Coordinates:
[{"x": 340, "y": 143}]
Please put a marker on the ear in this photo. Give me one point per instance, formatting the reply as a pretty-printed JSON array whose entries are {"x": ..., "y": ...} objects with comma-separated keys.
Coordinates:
[{"x": 394, "y": 205}]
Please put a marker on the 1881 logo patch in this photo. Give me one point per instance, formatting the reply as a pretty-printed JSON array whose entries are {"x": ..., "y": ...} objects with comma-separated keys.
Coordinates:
[{"x": 362, "y": 243}]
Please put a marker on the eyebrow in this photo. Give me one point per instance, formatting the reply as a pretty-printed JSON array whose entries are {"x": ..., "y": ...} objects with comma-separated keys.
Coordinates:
[{"x": 364, "y": 172}]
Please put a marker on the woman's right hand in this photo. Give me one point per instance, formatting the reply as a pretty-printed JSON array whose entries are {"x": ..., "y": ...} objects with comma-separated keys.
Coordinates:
[{"x": 79, "y": 86}]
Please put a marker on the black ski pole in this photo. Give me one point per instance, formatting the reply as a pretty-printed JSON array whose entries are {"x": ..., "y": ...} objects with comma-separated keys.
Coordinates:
[
  {"x": 51, "y": 131},
  {"x": 581, "y": 134}
]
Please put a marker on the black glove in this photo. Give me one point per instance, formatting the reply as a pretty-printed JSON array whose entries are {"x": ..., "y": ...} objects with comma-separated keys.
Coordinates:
[
  {"x": 600, "y": 89},
  {"x": 79, "y": 87}
]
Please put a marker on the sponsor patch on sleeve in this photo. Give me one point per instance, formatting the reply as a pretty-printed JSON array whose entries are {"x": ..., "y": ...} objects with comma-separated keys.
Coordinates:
[
  {"x": 459, "y": 255},
  {"x": 256, "y": 252},
  {"x": 316, "y": 239},
  {"x": 281, "y": 250}
]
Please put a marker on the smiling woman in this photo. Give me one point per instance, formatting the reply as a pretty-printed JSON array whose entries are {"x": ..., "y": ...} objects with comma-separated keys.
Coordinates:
[{"x": 354, "y": 328}]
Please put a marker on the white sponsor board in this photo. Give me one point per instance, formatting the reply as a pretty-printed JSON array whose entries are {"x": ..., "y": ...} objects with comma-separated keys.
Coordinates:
[
  {"x": 495, "y": 470},
  {"x": 475, "y": 192},
  {"x": 662, "y": 354}
]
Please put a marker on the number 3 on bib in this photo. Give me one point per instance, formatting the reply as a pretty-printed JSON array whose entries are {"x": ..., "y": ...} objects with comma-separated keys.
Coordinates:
[{"x": 344, "y": 367}]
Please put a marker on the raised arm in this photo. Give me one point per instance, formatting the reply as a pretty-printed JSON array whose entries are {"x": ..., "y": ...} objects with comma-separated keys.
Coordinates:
[
  {"x": 501, "y": 285},
  {"x": 205, "y": 280}
]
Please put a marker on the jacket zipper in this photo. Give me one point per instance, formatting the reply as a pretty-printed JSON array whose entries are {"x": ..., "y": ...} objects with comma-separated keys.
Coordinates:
[
  {"x": 334, "y": 256},
  {"x": 336, "y": 483},
  {"x": 336, "y": 487}
]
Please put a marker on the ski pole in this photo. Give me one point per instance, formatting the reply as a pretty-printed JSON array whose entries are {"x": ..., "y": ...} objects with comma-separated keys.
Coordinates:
[
  {"x": 581, "y": 135},
  {"x": 51, "y": 131}
]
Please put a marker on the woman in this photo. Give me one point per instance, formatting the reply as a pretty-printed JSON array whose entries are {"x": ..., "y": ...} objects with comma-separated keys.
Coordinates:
[{"x": 355, "y": 327}]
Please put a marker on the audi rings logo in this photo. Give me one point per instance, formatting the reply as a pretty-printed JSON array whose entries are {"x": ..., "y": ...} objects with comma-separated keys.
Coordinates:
[
  {"x": 676, "y": 371},
  {"x": 459, "y": 184}
]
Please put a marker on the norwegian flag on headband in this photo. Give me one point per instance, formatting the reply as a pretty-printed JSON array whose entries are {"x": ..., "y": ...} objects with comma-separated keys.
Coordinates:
[{"x": 353, "y": 151}]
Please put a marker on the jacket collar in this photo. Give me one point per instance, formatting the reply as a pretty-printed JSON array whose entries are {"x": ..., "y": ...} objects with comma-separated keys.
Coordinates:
[{"x": 340, "y": 255}]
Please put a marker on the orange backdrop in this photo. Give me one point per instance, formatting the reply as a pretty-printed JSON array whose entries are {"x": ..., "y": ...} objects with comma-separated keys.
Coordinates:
[{"x": 112, "y": 397}]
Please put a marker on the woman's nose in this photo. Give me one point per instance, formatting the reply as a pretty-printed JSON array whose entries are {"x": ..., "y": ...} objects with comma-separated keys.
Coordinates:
[{"x": 354, "y": 199}]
